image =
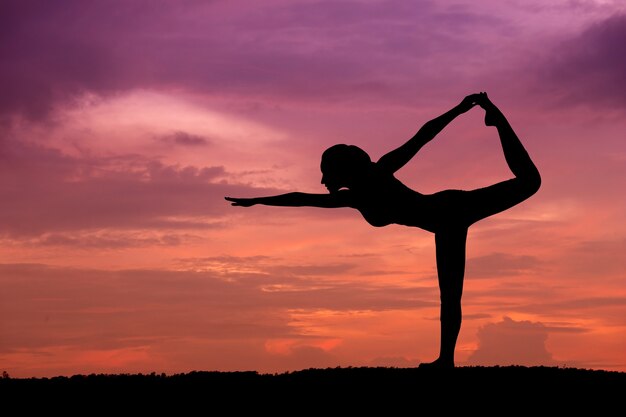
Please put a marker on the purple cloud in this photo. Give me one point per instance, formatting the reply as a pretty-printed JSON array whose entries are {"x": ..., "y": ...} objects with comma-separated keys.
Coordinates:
[
  {"x": 304, "y": 51},
  {"x": 590, "y": 68}
]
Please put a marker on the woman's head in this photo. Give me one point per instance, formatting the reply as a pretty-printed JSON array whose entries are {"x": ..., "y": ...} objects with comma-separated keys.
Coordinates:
[{"x": 343, "y": 165}]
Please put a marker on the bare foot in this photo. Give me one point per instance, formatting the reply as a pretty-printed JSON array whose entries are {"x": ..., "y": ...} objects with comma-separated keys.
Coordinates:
[
  {"x": 437, "y": 364},
  {"x": 492, "y": 113}
]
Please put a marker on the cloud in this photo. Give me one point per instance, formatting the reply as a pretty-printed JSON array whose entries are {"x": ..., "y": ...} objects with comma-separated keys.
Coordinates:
[
  {"x": 46, "y": 191},
  {"x": 184, "y": 139},
  {"x": 156, "y": 113},
  {"x": 120, "y": 307},
  {"x": 77, "y": 240},
  {"x": 590, "y": 69},
  {"x": 511, "y": 342},
  {"x": 498, "y": 265},
  {"x": 599, "y": 258},
  {"x": 608, "y": 309},
  {"x": 316, "y": 286},
  {"x": 312, "y": 51},
  {"x": 143, "y": 303},
  {"x": 155, "y": 312},
  {"x": 57, "y": 52}
]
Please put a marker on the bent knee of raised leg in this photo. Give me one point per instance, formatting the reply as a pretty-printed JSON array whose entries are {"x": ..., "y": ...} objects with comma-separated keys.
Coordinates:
[
  {"x": 533, "y": 182},
  {"x": 529, "y": 183}
]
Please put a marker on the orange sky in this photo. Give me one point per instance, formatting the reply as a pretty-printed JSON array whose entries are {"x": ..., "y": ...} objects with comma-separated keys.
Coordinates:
[{"x": 117, "y": 147}]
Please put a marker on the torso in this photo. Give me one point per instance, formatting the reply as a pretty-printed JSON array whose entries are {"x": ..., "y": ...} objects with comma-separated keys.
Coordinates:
[{"x": 388, "y": 201}]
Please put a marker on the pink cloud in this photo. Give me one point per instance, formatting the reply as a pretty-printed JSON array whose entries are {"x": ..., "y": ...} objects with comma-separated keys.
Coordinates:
[
  {"x": 511, "y": 342},
  {"x": 47, "y": 191},
  {"x": 184, "y": 139},
  {"x": 152, "y": 311},
  {"x": 501, "y": 265},
  {"x": 110, "y": 240}
]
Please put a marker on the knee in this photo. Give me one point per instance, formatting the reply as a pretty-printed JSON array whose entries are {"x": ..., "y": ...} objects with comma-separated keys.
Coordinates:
[
  {"x": 533, "y": 182},
  {"x": 450, "y": 307},
  {"x": 530, "y": 183}
]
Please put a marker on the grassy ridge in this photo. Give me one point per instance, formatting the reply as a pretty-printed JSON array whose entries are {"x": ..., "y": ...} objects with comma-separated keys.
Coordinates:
[{"x": 399, "y": 391}]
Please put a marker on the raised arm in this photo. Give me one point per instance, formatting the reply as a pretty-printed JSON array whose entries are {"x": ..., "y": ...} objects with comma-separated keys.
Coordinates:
[
  {"x": 340, "y": 198},
  {"x": 397, "y": 158}
]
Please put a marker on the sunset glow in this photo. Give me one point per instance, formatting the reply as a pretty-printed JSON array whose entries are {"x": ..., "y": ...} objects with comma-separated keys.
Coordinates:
[{"x": 124, "y": 124}]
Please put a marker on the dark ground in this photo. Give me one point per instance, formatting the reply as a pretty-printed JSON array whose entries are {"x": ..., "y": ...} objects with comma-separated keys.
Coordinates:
[{"x": 511, "y": 390}]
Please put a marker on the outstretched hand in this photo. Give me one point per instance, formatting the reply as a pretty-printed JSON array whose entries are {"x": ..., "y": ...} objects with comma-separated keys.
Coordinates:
[{"x": 242, "y": 202}]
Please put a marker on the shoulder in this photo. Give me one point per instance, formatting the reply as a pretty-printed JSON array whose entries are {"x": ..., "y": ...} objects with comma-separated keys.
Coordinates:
[
  {"x": 381, "y": 169},
  {"x": 343, "y": 198}
]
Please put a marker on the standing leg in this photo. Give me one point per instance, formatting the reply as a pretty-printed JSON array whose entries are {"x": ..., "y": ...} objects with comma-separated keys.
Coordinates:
[{"x": 450, "y": 252}]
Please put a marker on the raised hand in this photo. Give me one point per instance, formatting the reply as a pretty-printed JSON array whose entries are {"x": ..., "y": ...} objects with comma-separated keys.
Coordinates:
[
  {"x": 468, "y": 102},
  {"x": 241, "y": 202}
]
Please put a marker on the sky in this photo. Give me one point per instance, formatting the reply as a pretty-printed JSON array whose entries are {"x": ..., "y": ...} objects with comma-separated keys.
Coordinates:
[{"x": 123, "y": 124}]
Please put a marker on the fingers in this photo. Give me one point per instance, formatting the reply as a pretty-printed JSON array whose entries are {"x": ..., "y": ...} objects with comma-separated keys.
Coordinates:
[
  {"x": 474, "y": 99},
  {"x": 234, "y": 201},
  {"x": 240, "y": 202}
]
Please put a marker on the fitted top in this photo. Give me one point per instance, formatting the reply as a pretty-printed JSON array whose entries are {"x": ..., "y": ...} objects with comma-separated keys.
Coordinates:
[{"x": 385, "y": 200}]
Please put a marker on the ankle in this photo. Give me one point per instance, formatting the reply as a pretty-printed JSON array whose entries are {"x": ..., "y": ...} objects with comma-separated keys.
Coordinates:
[
  {"x": 493, "y": 116},
  {"x": 438, "y": 364}
]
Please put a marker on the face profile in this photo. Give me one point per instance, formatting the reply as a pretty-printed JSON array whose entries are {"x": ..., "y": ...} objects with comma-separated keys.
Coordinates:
[
  {"x": 343, "y": 166},
  {"x": 333, "y": 181},
  {"x": 373, "y": 190}
]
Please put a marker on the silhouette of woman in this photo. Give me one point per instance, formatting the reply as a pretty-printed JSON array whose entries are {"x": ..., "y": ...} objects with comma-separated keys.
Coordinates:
[{"x": 353, "y": 180}]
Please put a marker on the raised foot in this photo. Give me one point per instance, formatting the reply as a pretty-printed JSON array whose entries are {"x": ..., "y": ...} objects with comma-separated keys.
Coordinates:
[{"x": 492, "y": 114}]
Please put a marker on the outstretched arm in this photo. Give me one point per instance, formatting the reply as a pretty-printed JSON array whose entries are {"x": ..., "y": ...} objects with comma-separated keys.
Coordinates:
[
  {"x": 341, "y": 198},
  {"x": 397, "y": 158}
]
